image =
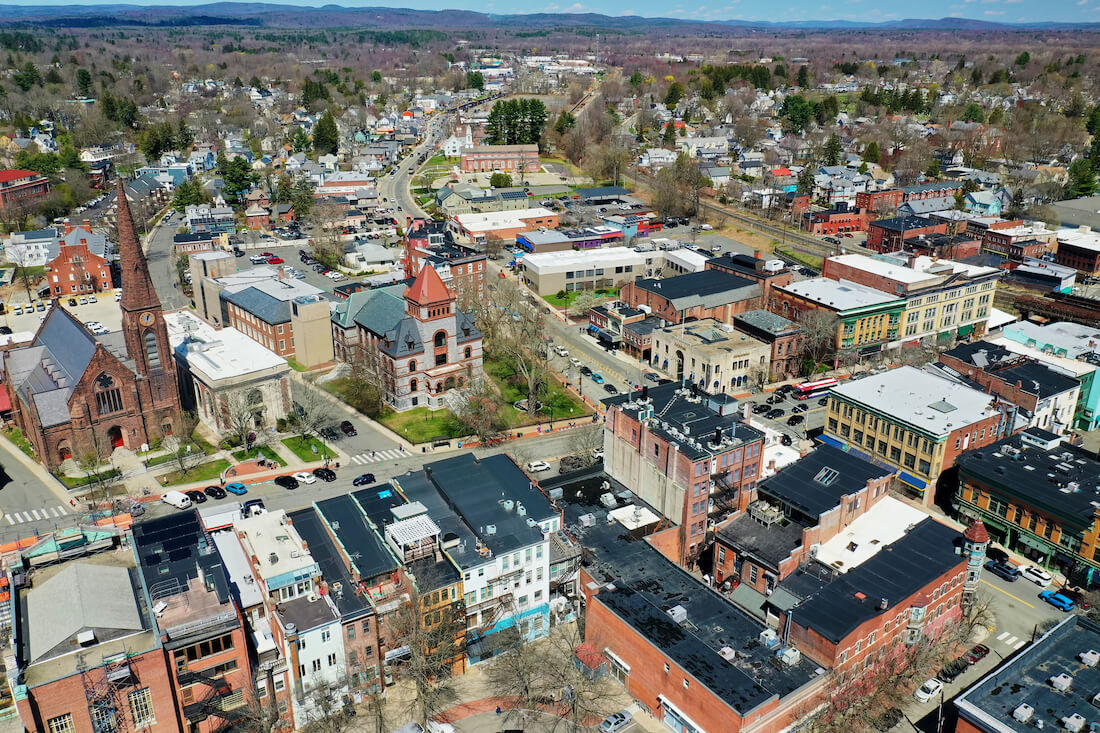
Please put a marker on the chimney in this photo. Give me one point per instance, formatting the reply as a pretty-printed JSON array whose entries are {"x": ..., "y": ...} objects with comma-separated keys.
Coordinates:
[
  {"x": 68, "y": 227},
  {"x": 757, "y": 254},
  {"x": 88, "y": 225}
]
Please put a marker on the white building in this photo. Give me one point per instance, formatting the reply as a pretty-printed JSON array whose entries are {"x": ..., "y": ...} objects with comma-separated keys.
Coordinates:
[
  {"x": 223, "y": 372},
  {"x": 305, "y": 623},
  {"x": 454, "y": 145}
]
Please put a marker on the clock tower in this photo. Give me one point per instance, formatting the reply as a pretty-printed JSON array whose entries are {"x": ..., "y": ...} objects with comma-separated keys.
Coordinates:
[{"x": 143, "y": 327}]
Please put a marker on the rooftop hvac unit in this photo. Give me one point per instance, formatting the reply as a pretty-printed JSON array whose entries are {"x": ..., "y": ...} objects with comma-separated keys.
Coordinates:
[
  {"x": 556, "y": 493},
  {"x": 490, "y": 529},
  {"x": 727, "y": 653},
  {"x": 1073, "y": 723},
  {"x": 789, "y": 656},
  {"x": 769, "y": 638},
  {"x": 508, "y": 505},
  {"x": 678, "y": 614},
  {"x": 1061, "y": 682},
  {"x": 1089, "y": 658},
  {"x": 531, "y": 522},
  {"x": 521, "y": 510},
  {"x": 313, "y": 597},
  {"x": 608, "y": 500},
  {"x": 587, "y": 520},
  {"x": 1023, "y": 712}
]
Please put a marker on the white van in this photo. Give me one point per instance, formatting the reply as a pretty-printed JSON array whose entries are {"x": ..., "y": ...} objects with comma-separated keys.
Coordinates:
[{"x": 178, "y": 499}]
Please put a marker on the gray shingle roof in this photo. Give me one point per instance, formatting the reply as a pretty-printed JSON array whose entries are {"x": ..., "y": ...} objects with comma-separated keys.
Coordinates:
[
  {"x": 260, "y": 304},
  {"x": 381, "y": 310}
]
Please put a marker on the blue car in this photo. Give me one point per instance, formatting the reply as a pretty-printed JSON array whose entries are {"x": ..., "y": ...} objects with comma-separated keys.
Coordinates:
[
  {"x": 1059, "y": 601},
  {"x": 236, "y": 488},
  {"x": 597, "y": 377}
]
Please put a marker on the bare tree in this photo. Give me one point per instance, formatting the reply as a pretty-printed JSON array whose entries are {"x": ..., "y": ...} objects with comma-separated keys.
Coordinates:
[
  {"x": 98, "y": 467},
  {"x": 819, "y": 338},
  {"x": 478, "y": 408},
  {"x": 239, "y": 415},
  {"x": 180, "y": 443},
  {"x": 584, "y": 442},
  {"x": 19, "y": 257},
  {"x": 582, "y": 303},
  {"x": 757, "y": 376},
  {"x": 327, "y": 218},
  {"x": 364, "y": 377},
  {"x": 327, "y": 709}
]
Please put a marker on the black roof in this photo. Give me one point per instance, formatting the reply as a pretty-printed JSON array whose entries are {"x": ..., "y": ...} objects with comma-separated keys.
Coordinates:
[
  {"x": 1063, "y": 480},
  {"x": 893, "y": 575},
  {"x": 176, "y": 548},
  {"x": 816, "y": 483},
  {"x": 1037, "y": 379},
  {"x": 903, "y": 223},
  {"x": 700, "y": 284},
  {"x": 647, "y": 585},
  {"x": 769, "y": 544},
  {"x": 333, "y": 570},
  {"x": 361, "y": 543}
]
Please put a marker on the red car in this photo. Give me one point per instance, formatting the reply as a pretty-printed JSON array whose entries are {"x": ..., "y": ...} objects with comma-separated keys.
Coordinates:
[
  {"x": 267, "y": 254},
  {"x": 274, "y": 260}
]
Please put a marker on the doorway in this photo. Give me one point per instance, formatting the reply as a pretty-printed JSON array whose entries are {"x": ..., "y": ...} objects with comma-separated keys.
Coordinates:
[{"x": 114, "y": 437}]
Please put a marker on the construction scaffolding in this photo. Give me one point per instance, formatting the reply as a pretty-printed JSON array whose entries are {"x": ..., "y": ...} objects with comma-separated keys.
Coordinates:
[{"x": 104, "y": 690}]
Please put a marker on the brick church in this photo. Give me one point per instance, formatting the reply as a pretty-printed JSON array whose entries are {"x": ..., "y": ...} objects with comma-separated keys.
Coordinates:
[{"x": 75, "y": 393}]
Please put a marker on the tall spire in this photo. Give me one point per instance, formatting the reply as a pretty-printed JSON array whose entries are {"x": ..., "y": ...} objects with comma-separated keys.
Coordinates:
[{"x": 137, "y": 286}]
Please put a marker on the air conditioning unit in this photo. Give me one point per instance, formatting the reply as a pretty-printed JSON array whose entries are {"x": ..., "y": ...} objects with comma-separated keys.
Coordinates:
[
  {"x": 313, "y": 597},
  {"x": 678, "y": 614}
]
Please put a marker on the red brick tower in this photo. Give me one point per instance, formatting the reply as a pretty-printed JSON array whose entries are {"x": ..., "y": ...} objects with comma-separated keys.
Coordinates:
[{"x": 143, "y": 328}]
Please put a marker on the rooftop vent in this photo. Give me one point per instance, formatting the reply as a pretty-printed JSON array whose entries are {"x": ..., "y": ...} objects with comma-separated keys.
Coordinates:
[
  {"x": 521, "y": 510},
  {"x": 608, "y": 500},
  {"x": 769, "y": 638},
  {"x": 587, "y": 520},
  {"x": 727, "y": 653},
  {"x": 490, "y": 530},
  {"x": 273, "y": 558},
  {"x": 508, "y": 504},
  {"x": 1089, "y": 658},
  {"x": 1023, "y": 712},
  {"x": 1061, "y": 682},
  {"x": 1074, "y": 723},
  {"x": 678, "y": 614},
  {"x": 86, "y": 637}
]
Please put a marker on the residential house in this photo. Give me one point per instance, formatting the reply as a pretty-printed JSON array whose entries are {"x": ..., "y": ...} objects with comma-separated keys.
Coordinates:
[{"x": 22, "y": 190}]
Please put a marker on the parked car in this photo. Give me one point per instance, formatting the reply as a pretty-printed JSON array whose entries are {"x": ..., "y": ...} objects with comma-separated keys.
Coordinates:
[
  {"x": 928, "y": 690},
  {"x": 252, "y": 507},
  {"x": 325, "y": 474},
  {"x": 616, "y": 722},
  {"x": 574, "y": 361},
  {"x": 236, "y": 488},
  {"x": 348, "y": 428},
  {"x": 287, "y": 482},
  {"x": 1036, "y": 575},
  {"x": 364, "y": 480},
  {"x": 611, "y": 389},
  {"x": 329, "y": 434},
  {"x": 305, "y": 478},
  {"x": 652, "y": 376},
  {"x": 799, "y": 408},
  {"x": 976, "y": 654},
  {"x": 952, "y": 670},
  {"x": 196, "y": 496},
  {"x": 823, "y": 402},
  {"x": 775, "y": 414},
  {"x": 585, "y": 371},
  {"x": 774, "y": 399},
  {"x": 761, "y": 409},
  {"x": 214, "y": 492},
  {"x": 1057, "y": 600},
  {"x": 1003, "y": 570},
  {"x": 795, "y": 420},
  {"x": 538, "y": 466},
  {"x": 597, "y": 377}
]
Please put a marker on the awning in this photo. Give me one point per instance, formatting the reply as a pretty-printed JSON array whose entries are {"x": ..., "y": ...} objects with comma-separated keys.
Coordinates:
[
  {"x": 605, "y": 336},
  {"x": 966, "y": 330},
  {"x": 830, "y": 440},
  {"x": 399, "y": 653},
  {"x": 908, "y": 478},
  {"x": 593, "y": 329},
  {"x": 1033, "y": 543}
]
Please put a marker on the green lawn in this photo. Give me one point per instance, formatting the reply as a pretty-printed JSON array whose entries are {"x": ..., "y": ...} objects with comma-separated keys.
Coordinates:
[
  {"x": 420, "y": 425},
  {"x": 75, "y": 482},
  {"x": 294, "y": 364},
  {"x": 303, "y": 448},
  {"x": 257, "y": 452},
  {"x": 806, "y": 259},
  {"x": 559, "y": 302},
  {"x": 15, "y": 435},
  {"x": 202, "y": 472},
  {"x": 557, "y": 402},
  {"x": 157, "y": 460}
]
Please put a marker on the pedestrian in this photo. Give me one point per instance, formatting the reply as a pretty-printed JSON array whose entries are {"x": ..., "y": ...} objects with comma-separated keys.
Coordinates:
[{"x": 498, "y": 710}]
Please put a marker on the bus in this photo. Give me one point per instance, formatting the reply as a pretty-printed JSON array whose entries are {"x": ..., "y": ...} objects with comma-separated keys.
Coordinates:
[{"x": 817, "y": 388}]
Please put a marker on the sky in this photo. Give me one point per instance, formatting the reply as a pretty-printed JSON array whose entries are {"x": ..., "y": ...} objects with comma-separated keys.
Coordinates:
[{"x": 1002, "y": 11}]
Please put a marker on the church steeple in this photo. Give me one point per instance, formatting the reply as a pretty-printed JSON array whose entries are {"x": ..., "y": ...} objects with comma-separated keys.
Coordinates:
[{"x": 138, "y": 293}]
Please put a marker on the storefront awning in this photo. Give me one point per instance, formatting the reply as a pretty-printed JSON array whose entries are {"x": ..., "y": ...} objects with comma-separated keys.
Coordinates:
[
  {"x": 1032, "y": 542},
  {"x": 908, "y": 478},
  {"x": 966, "y": 330}
]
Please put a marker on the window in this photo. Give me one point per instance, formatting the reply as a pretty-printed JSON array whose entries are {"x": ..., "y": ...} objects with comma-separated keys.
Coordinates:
[
  {"x": 316, "y": 665},
  {"x": 351, "y": 632},
  {"x": 468, "y": 352},
  {"x": 687, "y": 683},
  {"x": 440, "y": 339},
  {"x": 104, "y": 718},
  {"x": 412, "y": 365},
  {"x": 332, "y": 659},
  {"x": 325, "y": 636},
  {"x": 440, "y": 359},
  {"x": 62, "y": 724},
  {"x": 152, "y": 353},
  {"x": 141, "y": 707}
]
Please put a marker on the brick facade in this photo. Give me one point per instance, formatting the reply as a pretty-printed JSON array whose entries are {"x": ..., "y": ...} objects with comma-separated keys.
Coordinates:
[{"x": 76, "y": 270}]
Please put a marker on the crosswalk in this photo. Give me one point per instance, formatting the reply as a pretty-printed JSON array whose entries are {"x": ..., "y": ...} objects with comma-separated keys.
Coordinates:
[
  {"x": 1010, "y": 641},
  {"x": 379, "y": 455},
  {"x": 36, "y": 515}
]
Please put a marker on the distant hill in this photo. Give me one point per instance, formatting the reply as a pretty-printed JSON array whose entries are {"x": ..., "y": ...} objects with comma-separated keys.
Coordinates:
[{"x": 297, "y": 16}]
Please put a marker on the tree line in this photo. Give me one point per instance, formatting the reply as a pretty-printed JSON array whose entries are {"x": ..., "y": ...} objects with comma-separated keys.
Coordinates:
[{"x": 516, "y": 122}]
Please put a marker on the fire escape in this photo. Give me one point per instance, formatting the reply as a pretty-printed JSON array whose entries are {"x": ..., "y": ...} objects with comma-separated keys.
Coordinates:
[
  {"x": 212, "y": 702},
  {"x": 105, "y": 690}
]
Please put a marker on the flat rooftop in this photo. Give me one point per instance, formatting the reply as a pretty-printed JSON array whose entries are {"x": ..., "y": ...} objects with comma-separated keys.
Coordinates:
[
  {"x": 341, "y": 588},
  {"x": 647, "y": 585},
  {"x": 1059, "y": 478},
  {"x": 840, "y": 295},
  {"x": 276, "y": 544},
  {"x": 706, "y": 289},
  {"x": 1025, "y": 679},
  {"x": 362, "y": 544},
  {"x": 223, "y": 353},
  {"x": 818, "y": 482},
  {"x": 930, "y": 404},
  {"x": 768, "y": 322},
  {"x": 885, "y": 523}
]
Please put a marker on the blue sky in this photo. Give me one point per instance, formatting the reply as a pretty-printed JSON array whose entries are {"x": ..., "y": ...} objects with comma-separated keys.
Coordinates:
[{"x": 1006, "y": 11}]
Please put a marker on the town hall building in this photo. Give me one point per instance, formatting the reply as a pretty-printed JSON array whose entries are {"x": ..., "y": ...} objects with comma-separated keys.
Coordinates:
[{"x": 74, "y": 393}]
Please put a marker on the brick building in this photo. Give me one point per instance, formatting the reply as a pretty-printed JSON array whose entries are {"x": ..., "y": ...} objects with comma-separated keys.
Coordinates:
[
  {"x": 806, "y": 503},
  {"x": 461, "y": 268},
  {"x": 837, "y": 220},
  {"x": 506, "y": 158},
  {"x": 755, "y": 267},
  {"x": 81, "y": 265},
  {"x": 22, "y": 190},
  {"x": 691, "y": 464},
  {"x": 73, "y": 392},
  {"x": 1080, "y": 249},
  {"x": 880, "y": 201},
  {"x": 867, "y": 319},
  {"x": 696, "y": 295},
  {"x": 889, "y": 235},
  {"x": 1015, "y": 241},
  {"x": 783, "y": 335},
  {"x": 915, "y": 422}
]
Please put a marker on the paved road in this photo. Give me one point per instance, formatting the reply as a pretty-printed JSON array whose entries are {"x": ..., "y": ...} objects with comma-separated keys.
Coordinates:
[
  {"x": 162, "y": 268},
  {"x": 395, "y": 186}
]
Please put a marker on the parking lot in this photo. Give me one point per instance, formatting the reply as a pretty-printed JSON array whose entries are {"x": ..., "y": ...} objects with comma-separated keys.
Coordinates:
[
  {"x": 104, "y": 310},
  {"x": 783, "y": 408}
]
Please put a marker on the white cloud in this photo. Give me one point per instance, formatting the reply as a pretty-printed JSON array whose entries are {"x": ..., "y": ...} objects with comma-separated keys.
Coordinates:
[
  {"x": 994, "y": 12},
  {"x": 576, "y": 8}
]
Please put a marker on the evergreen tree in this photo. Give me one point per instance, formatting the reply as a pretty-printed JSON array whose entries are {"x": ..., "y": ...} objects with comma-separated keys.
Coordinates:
[
  {"x": 668, "y": 139},
  {"x": 1092, "y": 123},
  {"x": 804, "y": 76},
  {"x": 326, "y": 138},
  {"x": 806, "y": 180},
  {"x": 636, "y": 79},
  {"x": 832, "y": 150},
  {"x": 475, "y": 80},
  {"x": 674, "y": 94},
  {"x": 1082, "y": 179},
  {"x": 83, "y": 82},
  {"x": 871, "y": 153}
]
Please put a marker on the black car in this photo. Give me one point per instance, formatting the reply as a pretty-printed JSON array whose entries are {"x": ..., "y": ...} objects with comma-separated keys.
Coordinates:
[
  {"x": 786, "y": 440},
  {"x": 348, "y": 428},
  {"x": 761, "y": 409},
  {"x": 325, "y": 474},
  {"x": 196, "y": 496},
  {"x": 287, "y": 482},
  {"x": 214, "y": 492},
  {"x": 586, "y": 371},
  {"x": 72, "y": 301},
  {"x": 952, "y": 669},
  {"x": 824, "y": 402},
  {"x": 795, "y": 420},
  {"x": 784, "y": 390},
  {"x": 774, "y": 399},
  {"x": 611, "y": 389},
  {"x": 364, "y": 480},
  {"x": 1003, "y": 570},
  {"x": 775, "y": 414},
  {"x": 670, "y": 224},
  {"x": 799, "y": 408},
  {"x": 303, "y": 253},
  {"x": 5, "y": 330},
  {"x": 329, "y": 434}
]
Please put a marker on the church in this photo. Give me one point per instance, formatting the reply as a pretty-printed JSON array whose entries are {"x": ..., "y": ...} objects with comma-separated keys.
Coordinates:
[{"x": 74, "y": 393}]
